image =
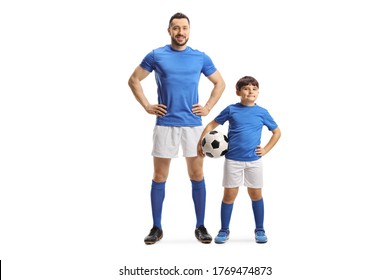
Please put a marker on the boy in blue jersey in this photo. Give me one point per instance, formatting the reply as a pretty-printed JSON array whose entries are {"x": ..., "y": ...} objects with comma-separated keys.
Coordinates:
[
  {"x": 243, "y": 163},
  {"x": 177, "y": 69}
]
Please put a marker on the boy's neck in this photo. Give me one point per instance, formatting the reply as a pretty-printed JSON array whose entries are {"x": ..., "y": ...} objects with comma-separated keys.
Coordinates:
[{"x": 248, "y": 103}]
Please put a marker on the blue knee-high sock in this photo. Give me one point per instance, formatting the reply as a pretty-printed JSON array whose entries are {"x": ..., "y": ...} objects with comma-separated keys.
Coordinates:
[
  {"x": 258, "y": 211},
  {"x": 226, "y": 213},
  {"x": 199, "y": 198},
  {"x": 157, "y": 195}
]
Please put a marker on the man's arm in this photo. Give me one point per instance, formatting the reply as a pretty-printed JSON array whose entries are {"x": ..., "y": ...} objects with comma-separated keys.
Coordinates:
[
  {"x": 135, "y": 85},
  {"x": 219, "y": 87}
]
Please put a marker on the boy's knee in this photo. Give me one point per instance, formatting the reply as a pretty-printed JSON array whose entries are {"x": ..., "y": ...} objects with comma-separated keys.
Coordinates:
[
  {"x": 228, "y": 200},
  {"x": 230, "y": 195},
  {"x": 255, "y": 194}
]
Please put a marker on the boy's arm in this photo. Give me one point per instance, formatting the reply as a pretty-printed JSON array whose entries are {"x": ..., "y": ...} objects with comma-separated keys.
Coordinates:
[
  {"x": 212, "y": 125},
  {"x": 276, "y": 133}
]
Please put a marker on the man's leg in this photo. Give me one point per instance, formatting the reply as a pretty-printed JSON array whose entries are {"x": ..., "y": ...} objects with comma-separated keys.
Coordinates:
[
  {"x": 157, "y": 195},
  {"x": 195, "y": 172}
]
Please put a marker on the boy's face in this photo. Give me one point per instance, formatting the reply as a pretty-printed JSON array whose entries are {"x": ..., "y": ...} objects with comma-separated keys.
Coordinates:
[{"x": 248, "y": 94}]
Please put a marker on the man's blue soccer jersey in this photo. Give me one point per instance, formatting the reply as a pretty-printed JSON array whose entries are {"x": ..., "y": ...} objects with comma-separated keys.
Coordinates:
[
  {"x": 245, "y": 128},
  {"x": 177, "y": 75}
]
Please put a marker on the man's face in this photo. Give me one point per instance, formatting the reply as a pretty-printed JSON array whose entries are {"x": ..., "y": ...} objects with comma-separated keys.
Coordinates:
[{"x": 179, "y": 30}]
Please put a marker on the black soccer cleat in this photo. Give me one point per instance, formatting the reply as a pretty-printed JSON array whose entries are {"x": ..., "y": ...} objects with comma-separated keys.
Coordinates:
[
  {"x": 202, "y": 235},
  {"x": 155, "y": 235}
]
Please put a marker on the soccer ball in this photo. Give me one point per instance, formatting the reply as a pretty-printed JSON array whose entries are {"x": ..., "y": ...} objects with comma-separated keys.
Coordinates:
[{"x": 215, "y": 144}]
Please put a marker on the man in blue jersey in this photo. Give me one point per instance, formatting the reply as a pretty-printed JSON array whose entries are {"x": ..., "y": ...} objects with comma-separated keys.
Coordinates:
[
  {"x": 243, "y": 160},
  {"x": 177, "y": 69}
]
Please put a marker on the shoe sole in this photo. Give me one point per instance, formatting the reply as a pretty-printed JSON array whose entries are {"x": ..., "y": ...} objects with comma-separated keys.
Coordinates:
[
  {"x": 153, "y": 242},
  {"x": 221, "y": 242},
  {"x": 204, "y": 241}
]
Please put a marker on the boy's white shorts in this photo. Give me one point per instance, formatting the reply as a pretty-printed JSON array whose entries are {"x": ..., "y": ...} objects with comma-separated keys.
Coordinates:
[
  {"x": 243, "y": 173},
  {"x": 168, "y": 139}
]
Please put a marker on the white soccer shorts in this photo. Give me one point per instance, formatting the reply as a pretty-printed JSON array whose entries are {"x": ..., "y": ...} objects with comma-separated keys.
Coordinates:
[
  {"x": 168, "y": 139},
  {"x": 243, "y": 173}
]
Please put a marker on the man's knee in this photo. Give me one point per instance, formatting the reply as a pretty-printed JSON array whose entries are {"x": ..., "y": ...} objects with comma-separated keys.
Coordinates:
[
  {"x": 255, "y": 194},
  {"x": 159, "y": 178},
  {"x": 161, "y": 169},
  {"x": 195, "y": 168},
  {"x": 196, "y": 175}
]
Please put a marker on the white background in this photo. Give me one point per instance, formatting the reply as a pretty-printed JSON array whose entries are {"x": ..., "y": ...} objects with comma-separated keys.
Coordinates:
[{"x": 75, "y": 145}]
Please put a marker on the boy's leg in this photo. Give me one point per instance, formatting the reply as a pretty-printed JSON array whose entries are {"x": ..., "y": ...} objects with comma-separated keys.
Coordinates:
[
  {"x": 258, "y": 212},
  {"x": 254, "y": 182},
  {"x": 257, "y": 206},
  {"x": 229, "y": 196},
  {"x": 226, "y": 212}
]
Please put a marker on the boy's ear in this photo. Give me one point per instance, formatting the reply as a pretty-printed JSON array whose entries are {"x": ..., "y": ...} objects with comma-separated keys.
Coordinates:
[{"x": 238, "y": 92}]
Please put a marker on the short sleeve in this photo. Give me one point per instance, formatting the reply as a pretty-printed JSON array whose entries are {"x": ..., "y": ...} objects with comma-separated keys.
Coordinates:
[
  {"x": 208, "y": 66},
  {"x": 223, "y": 116},
  {"x": 148, "y": 62},
  {"x": 269, "y": 121}
]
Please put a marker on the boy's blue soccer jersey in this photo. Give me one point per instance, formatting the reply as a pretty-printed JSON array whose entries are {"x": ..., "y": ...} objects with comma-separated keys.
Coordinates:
[
  {"x": 245, "y": 128},
  {"x": 177, "y": 75}
]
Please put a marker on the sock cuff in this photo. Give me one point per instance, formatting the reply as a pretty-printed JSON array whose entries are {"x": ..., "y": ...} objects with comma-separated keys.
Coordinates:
[
  {"x": 158, "y": 185},
  {"x": 257, "y": 202},
  {"x": 227, "y": 204},
  {"x": 198, "y": 184}
]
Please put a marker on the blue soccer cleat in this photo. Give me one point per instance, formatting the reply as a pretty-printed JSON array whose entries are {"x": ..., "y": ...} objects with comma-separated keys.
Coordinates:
[
  {"x": 260, "y": 236},
  {"x": 222, "y": 237}
]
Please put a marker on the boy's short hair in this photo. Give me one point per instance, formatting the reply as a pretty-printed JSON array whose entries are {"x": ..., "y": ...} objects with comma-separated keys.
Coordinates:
[
  {"x": 247, "y": 80},
  {"x": 178, "y": 16}
]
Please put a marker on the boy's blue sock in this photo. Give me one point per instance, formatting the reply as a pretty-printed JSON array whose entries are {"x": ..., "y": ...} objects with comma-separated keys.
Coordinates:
[
  {"x": 258, "y": 211},
  {"x": 199, "y": 197},
  {"x": 157, "y": 195},
  {"x": 226, "y": 213}
]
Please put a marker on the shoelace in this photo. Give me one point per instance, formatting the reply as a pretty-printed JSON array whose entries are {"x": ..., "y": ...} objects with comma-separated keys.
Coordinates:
[
  {"x": 154, "y": 230},
  {"x": 203, "y": 230},
  {"x": 222, "y": 233},
  {"x": 260, "y": 233}
]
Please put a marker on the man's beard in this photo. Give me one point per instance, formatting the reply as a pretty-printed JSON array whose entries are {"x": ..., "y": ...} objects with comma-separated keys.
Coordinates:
[{"x": 174, "y": 42}]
